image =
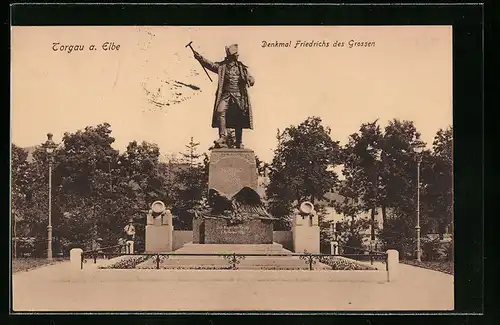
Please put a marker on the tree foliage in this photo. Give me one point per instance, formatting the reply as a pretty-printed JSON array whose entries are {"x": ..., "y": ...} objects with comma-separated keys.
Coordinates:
[
  {"x": 302, "y": 166},
  {"x": 96, "y": 189},
  {"x": 193, "y": 181}
]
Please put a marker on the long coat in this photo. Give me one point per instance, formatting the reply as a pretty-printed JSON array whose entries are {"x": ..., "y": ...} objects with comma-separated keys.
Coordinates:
[{"x": 236, "y": 117}]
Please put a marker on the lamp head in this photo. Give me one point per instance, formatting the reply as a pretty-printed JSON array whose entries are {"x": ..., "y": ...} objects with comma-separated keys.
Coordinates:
[
  {"x": 418, "y": 151},
  {"x": 50, "y": 146}
]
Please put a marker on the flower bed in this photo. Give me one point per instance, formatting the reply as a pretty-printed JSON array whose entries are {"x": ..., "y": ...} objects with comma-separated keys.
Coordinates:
[
  {"x": 200, "y": 267},
  {"x": 129, "y": 262},
  {"x": 445, "y": 267},
  {"x": 342, "y": 263},
  {"x": 149, "y": 262}
]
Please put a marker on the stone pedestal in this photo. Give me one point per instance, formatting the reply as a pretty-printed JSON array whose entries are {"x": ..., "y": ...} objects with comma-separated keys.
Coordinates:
[
  {"x": 159, "y": 229},
  {"x": 159, "y": 238},
  {"x": 306, "y": 234},
  {"x": 230, "y": 170},
  {"x": 219, "y": 231}
]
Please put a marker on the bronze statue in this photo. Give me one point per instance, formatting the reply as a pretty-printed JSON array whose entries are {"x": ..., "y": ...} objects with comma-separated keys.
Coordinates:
[{"x": 232, "y": 107}]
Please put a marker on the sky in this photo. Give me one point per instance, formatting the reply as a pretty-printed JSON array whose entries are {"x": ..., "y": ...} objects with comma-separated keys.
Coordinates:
[{"x": 152, "y": 89}]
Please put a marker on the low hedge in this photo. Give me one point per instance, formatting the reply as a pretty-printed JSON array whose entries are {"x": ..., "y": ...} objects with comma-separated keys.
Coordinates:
[
  {"x": 130, "y": 262},
  {"x": 340, "y": 263},
  {"x": 441, "y": 266}
]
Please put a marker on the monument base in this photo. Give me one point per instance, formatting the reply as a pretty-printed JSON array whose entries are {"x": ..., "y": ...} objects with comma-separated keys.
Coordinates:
[
  {"x": 264, "y": 262},
  {"x": 220, "y": 231},
  {"x": 192, "y": 248},
  {"x": 159, "y": 238}
]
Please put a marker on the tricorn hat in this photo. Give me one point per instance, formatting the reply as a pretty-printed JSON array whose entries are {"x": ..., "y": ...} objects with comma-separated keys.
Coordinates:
[{"x": 232, "y": 49}]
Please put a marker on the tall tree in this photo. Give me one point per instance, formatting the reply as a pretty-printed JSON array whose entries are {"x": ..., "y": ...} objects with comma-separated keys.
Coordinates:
[
  {"x": 401, "y": 139},
  {"x": 438, "y": 179},
  {"x": 20, "y": 181},
  {"x": 399, "y": 156},
  {"x": 83, "y": 179},
  {"x": 193, "y": 185},
  {"x": 302, "y": 166},
  {"x": 191, "y": 156},
  {"x": 362, "y": 172}
]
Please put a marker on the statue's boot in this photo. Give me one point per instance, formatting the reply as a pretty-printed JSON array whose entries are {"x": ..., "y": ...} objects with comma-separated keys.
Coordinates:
[
  {"x": 222, "y": 141},
  {"x": 238, "y": 134}
]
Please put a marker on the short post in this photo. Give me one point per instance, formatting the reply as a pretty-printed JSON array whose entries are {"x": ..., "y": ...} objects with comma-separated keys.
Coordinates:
[
  {"x": 334, "y": 247},
  {"x": 130, "y": 247},
  {"x": 157, "y": 261},
  {"x": 76, "y": 258},
  {"x": 392, "y": 265}
]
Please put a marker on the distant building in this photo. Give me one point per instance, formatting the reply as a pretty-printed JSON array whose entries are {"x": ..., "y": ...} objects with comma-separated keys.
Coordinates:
[{"x": 333, "y": 215}]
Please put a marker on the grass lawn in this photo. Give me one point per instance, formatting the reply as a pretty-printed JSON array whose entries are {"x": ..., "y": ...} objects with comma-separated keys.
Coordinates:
[
  {"x": 445, "y": 267},
  {"x": 25, "y": 264}
]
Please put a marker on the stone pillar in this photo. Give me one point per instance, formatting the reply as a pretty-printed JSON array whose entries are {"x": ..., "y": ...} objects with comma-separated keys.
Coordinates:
[
  {"x": 75, "y": 258},
  {"x": 306, "y": 232},
  {"x": 159, "y": 229},
  {"x": 392, "y": 265}
]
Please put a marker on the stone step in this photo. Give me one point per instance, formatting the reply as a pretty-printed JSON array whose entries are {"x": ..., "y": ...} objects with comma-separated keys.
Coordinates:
[{"x": 191, "y": 248}]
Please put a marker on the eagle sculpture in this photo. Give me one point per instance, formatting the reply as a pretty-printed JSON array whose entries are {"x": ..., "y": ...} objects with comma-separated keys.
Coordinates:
[{"x": 244, "y": 205}]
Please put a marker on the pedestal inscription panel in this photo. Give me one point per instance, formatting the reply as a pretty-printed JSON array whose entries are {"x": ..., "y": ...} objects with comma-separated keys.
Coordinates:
[
  {"x": 219, "y": 231},
  {"x": 230, "y": 170}
]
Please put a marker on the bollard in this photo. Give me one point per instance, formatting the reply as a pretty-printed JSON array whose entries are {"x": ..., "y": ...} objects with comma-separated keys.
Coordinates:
[
  {"x": 75, "y": 258},
  {"x": 130, "y": 247},
  {"x": 334, "y": 248},
  {"x": 392, "y": 265}
]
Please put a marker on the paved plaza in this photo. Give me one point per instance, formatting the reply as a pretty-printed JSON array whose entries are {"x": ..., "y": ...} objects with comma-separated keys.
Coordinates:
[{"x": 55, "y": 288}]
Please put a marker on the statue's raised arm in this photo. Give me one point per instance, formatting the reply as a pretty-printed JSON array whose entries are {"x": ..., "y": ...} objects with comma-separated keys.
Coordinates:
[{"x": 212, "y": 66}]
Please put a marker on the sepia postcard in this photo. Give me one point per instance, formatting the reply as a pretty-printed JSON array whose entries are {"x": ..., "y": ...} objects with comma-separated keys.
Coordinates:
[{"x": 231, "y": 168}]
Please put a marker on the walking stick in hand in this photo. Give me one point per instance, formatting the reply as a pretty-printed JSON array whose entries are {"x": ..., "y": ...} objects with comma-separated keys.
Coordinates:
[{"x": 189, "y": 44}]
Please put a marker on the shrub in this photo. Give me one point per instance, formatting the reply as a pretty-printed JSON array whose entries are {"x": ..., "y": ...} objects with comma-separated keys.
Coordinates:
[
  {"x": 429, "y": 249},
  {"x": 340, "y": 263},
  {"x": 445, "y": 252},
  {"x": 130, "y": 262}
]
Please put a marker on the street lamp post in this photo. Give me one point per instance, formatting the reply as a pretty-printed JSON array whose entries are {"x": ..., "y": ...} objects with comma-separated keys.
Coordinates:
[
  {"x": 50, "y": 147},
  {"x": 417, "y": 227}
]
